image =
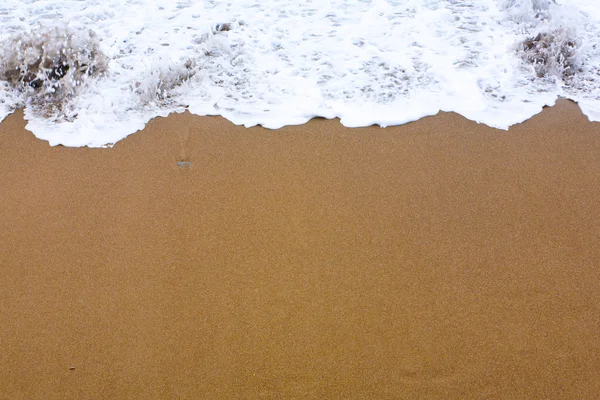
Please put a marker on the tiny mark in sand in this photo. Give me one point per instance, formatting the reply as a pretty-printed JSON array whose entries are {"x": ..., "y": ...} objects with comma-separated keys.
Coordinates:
[
  {"x": 72, "y": 369},
  {"x": 184, "y": 164}
]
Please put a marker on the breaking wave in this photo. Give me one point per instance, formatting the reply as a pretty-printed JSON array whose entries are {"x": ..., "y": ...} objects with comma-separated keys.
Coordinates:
[
  {"x": 49, "y": 67},
  {"x": 89, "y": 73}
]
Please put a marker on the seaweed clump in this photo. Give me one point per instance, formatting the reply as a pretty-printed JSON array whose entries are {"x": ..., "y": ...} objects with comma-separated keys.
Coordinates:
[
  {"x": 551, "y": 54},
  {"x": 50, "y": 65}
]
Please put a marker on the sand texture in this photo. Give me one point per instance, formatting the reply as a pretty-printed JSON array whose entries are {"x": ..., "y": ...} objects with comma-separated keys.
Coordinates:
[{"x": 436, "y": 260}]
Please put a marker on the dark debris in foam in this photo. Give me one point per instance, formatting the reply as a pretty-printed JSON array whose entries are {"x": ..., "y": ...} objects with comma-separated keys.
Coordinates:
[
  {"x": 225, "y": 27},
  {"x": 551, "y": 54},
  {"x": 50, "y": 65}
]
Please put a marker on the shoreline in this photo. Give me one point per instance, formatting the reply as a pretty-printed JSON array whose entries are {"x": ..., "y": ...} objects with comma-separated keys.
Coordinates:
[
  {"x": 560, "y": 102},
  {"x": 200, "y": 259}
]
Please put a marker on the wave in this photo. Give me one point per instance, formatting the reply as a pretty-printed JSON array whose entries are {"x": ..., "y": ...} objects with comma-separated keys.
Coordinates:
[{"x": 91, "y": 73}]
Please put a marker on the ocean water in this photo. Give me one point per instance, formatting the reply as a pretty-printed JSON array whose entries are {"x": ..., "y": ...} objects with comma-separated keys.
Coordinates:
[{"x": 91, "y": 72}]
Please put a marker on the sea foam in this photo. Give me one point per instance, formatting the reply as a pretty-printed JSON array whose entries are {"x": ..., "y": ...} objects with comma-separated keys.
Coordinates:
[{"x": 91, "y": 72}]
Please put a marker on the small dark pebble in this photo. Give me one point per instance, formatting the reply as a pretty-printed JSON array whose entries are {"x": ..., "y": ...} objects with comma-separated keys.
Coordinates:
[
  {"x": 36, "y": 83},
  {"x": 223, "y": 27},
  {"x": 59, "y": 72}
]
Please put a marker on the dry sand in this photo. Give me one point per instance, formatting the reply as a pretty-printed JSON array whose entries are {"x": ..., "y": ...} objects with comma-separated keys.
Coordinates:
[{"x": 436, "y": 260}]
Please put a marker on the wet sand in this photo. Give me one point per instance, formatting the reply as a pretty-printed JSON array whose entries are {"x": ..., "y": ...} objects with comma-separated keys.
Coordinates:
[{"x": 436, "y": 260}]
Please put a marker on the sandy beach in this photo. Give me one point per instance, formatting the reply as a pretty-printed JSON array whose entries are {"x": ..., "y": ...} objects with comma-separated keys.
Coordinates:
[{"x": 196, "y": 259}]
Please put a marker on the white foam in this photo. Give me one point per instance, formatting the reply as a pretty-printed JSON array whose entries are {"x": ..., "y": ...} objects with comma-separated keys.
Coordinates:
[{"x": 282, "y": 62}]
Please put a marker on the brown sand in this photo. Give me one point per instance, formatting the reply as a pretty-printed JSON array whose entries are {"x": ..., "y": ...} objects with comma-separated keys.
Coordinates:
[{"x": 437, "y": 260}]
